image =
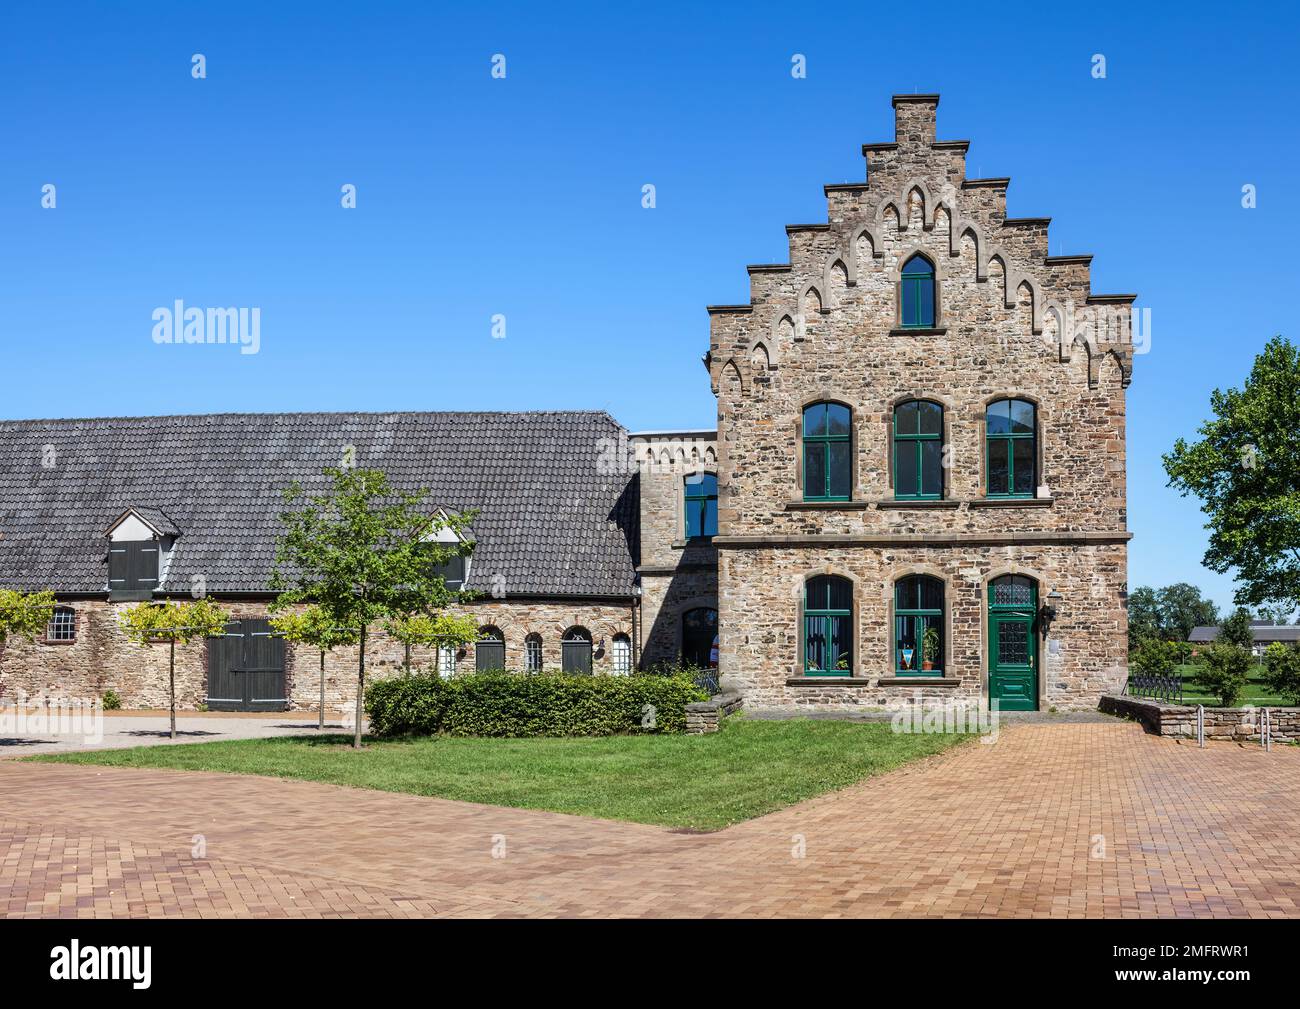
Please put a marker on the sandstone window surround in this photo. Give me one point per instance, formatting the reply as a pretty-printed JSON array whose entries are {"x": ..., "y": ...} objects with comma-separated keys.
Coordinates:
[
  {"x": 917, "y": 459},
  {"x": 917, "y": 296},
  {"x": 827, "y": 629},
  {"x": 1011, "y": 448},
  {"x": 827, "y": 451},
  {"x": 918, "y": 626}
]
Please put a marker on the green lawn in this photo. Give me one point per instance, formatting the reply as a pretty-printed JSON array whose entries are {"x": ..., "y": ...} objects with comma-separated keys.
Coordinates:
[
  {"x": 1256, "y": 692},
  {"x": 705, "y": 782}
]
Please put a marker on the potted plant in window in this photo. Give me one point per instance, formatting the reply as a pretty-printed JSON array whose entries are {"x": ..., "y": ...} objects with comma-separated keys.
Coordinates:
[{"x": 929, "y": 647}]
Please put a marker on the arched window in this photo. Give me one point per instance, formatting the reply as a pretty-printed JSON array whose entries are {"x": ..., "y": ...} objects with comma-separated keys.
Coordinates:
[
  {"x": 533, "y": 653},
  {"x": 63, "y": 625},
  {"x": 490, "y": 651},
  {"x": 701, "y": 506},
  {"x": 621, "y": 653},
  {"x": 576, "y": 651},
  {"x": 918, "y": 626},
  {"x": 699, "y": 637},
  {"x": 1012, "y": 449},
  {"x": 446, "y": 662},
  {"x": 827, "y": 452},
  {"x": 918, "y": 450},
  {"x": 828, "y": 626},
  {"x": 918, "y": 293}
]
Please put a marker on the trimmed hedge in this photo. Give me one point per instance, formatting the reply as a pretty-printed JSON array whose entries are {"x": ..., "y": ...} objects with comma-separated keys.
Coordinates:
[{"x": 541, "y": 704}]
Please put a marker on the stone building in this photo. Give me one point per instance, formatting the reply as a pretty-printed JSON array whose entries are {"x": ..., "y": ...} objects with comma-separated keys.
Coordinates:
[
  {"x": 921, "y": 450},
  {"x": 916, "y": 488}
]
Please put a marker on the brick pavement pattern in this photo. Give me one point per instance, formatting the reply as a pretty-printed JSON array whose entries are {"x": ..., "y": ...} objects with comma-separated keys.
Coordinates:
[{"x": 1066, "y": 820}]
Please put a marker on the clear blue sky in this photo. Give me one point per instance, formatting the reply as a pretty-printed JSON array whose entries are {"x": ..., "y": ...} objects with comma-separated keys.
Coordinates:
[{"x": 522, "y": 196}]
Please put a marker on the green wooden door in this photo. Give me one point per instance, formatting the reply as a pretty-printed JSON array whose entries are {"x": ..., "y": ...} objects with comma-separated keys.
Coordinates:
[{"x": 1013, "y": 644}]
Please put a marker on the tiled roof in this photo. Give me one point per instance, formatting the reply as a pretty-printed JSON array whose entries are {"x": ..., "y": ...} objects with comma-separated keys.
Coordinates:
[
  {"x": 1260, "y": 632},
  {"x": 550, "y": 522}
]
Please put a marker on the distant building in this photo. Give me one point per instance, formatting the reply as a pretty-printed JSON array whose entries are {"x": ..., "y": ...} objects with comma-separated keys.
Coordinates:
[{"x": 1264, "y": 633}]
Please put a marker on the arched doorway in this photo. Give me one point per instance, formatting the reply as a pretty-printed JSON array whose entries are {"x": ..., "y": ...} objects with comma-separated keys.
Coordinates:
[{"x": 1013, "y": 643}]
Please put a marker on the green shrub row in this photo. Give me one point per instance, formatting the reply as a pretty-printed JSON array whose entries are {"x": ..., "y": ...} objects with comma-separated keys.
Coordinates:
[{"x": 544, "y": 704}]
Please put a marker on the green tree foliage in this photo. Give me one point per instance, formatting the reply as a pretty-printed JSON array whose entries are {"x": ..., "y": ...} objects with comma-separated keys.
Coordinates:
[
  {"x": 1226, "y": 663},
  {"x": 313, "y": 627},
  {"x": 437, "y": 630},
  {"x": 1282, "y": 671},
  {"x": 1246, "y": 471},
  {"x": 1154, "y": 657},
  {"x": 1167, "y": 614},
  {"x": 364, "y": 551},
  {"x": 172, "y": 622},
  {"x": 25, "y": 615}
]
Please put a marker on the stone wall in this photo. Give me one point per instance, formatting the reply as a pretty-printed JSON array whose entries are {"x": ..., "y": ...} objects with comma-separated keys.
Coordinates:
[
  {"x": 102, "y": 658},
  {"x": 825, "y": 326},
  {"x": 1221, "y": 724},
  {"x": 1084, "y": 655},
  {"x": 706, "y": 716},
  {"x": 676, "y": 575}
]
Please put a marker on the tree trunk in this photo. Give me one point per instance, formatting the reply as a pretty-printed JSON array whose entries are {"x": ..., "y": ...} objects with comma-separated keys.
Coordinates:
[
  {"x": 321, "y": 725},
  {"x": 171, "y": 681},
  {"x": 361, "y": 690},
  {"x": 408, "y": 658}
]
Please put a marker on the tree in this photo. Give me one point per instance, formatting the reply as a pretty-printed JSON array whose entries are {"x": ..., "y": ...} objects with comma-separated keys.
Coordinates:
[
  {"x": 364, "y": 551},
  {"x": 149, "y": 623},
  {"x": 1246, "y": 472},
  {"x": 440, "y": 630},
  {"x": 314, "y": 627},
  {"x": 1226, "y": 663},
  {"x": 1167, "y": 614},
  {"x": 1143, "y": 617},
  {"x": 1282, "y": 671},
  {"x": 25, "y": 615},
  {"x": 1182, "y": 607}
]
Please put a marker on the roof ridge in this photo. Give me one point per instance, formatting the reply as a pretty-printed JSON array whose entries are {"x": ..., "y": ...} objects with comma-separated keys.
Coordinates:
[{"x": 310, "y": 413}]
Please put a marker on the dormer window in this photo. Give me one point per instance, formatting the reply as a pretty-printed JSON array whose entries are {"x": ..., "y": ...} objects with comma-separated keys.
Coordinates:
[
  {"x": 136, "y": 540},
  {"x": 452, "y": 573},
  {"x": 455, "y": 570}
]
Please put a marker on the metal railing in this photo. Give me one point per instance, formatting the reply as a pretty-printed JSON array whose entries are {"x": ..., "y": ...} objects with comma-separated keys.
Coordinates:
[{"x": 1155, "y": 687}]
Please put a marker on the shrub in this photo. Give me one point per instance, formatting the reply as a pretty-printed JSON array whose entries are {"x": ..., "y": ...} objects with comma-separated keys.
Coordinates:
[
  {"x": 1223, "y": 673},
  {"x": 705, "y": 677},
  {"x": 111, "y": 700},
  {"x": 1154, "y": 657},
  {"x": 1282, "y": 671},
  {"x": 544, "y": 704}
]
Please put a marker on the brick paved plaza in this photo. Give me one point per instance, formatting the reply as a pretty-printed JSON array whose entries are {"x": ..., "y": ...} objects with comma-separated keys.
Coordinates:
[{"x": 1004, "y": 830}]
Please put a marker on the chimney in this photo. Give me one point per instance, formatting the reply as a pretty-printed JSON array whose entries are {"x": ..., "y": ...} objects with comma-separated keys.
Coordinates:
[{"x": 914, "y": 119}]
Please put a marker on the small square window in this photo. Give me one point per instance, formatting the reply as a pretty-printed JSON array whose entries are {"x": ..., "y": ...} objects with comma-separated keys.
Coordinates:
[{"x": 63, "y": 625}]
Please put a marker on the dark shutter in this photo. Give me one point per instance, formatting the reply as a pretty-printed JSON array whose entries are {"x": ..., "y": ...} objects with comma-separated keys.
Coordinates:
[
  {"x": 118, "y": 573},
  {"x": 576, "y": 657},
  {"x": 144, "y": 573},
  {"x": 489, "y": 654}
]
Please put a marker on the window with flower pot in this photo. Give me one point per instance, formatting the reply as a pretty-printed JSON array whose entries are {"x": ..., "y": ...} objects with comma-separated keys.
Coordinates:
[{"x": 918, "y": 626}]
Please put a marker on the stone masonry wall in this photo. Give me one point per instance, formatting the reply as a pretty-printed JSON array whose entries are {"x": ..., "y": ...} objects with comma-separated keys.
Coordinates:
[
  {"x": 102, "y": 658},
  {"x": 1012, "y": 322},
  {"x": 1084, "y": 656},
  {"x": 676, "y": 575}
]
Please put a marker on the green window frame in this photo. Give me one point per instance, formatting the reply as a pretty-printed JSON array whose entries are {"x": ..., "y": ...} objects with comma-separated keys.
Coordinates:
[
  {"x": 827, "y": 452},
  {"x": 701, "y": 493},
  {"x": 919, "y": 293},
  {"x": 918, "y": 609},
  {"x": 918, "y": 450},
  {"x": 1011, "y": 449},
  {"x": 828, "y": 626}
]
